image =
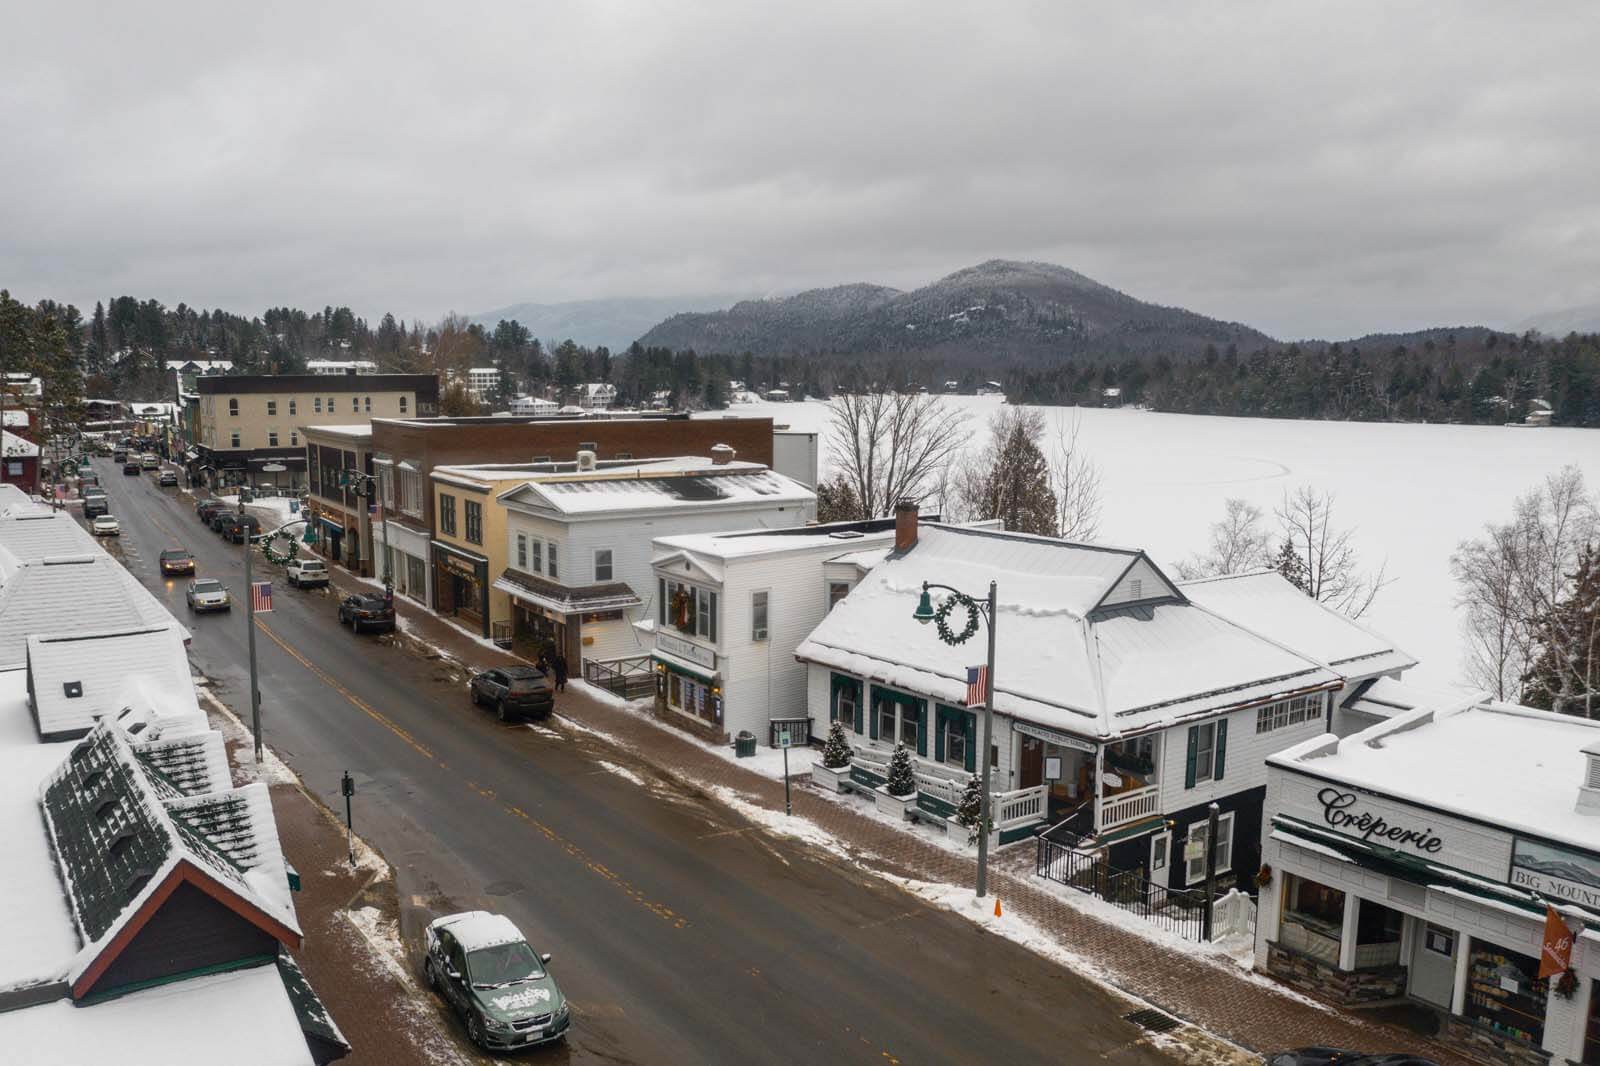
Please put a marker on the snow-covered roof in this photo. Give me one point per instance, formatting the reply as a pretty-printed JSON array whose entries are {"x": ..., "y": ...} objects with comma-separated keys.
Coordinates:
[
  {"x": 205, "y": 366},
  {"x": 354, "y": 431},
  {"x": 16, "y": 416},
  {"x": 103, "y": 596},
  {"x": 19, "y": 447},
  {"x": 1443, "y": 755},
  {"x": 1384, "y": 697},
  {"x": 242, "y": 1018},
  {"x": 676, "y": 485},
  {"x": 1266, "y": 602},
  {"x": 1090, "y": 639},
  {"x": 30, "y": 534},
  {"x": 843, "y": 538},
  {"x": 480, "y": 929},
  {"x": 78, "y": 678}
]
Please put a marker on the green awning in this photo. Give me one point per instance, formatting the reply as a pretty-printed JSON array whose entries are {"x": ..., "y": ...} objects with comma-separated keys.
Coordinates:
[{"x": 683, "y": 666}]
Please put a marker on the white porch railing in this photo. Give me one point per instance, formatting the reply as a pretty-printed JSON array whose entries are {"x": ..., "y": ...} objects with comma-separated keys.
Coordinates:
[
  {"x": 1024, "y": 806},
  {"x": 1129, "y": 807}
]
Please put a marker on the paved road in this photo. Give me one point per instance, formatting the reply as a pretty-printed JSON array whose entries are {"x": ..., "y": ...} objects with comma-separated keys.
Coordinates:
[{"x": 680, "y": 935}]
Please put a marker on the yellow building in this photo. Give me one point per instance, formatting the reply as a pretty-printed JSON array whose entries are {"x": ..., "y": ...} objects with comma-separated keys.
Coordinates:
[{"x": 470, "y": 544}]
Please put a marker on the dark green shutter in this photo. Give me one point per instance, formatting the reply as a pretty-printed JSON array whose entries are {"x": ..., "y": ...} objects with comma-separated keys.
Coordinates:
[
  {"x": 872, "y": 716},
  {"x": 938, "y": 734},
  {"x": 1222, "y": 748},
  {"x": 922, "y": 728},
  {"x": 661, "y": 588},
  {"x": 859, "y": 689},
  {"x": 1194, "y": 745},
  {"x": 971, "y": 728}
]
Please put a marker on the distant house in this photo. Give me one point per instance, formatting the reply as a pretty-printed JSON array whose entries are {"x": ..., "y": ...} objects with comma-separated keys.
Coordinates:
[
  {"x": 341, "y": 366},
  {"x": 1539, "y": 413},
  {"x": 597, "y": 395},
  {"x": 1111, "y": 397},
  {"x": 185, "y": 371},
  {"x": 524, "y": 406},
  {"x": 482, "y": 381},
  {"x": 777, "y": 395},
  {"x": 21, "y": 462}
]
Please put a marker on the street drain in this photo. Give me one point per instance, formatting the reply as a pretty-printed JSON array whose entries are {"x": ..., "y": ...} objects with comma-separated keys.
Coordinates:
[{"x": 1152, "y": 1020}]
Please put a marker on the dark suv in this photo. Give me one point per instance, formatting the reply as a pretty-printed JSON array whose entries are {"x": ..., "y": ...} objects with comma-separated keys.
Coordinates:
[
  {"x": 239, "y": 526},
  {"x": 207, "y": 509},
  {"x": 514, "y": 692},
  {"x": 366, "y": 610}
]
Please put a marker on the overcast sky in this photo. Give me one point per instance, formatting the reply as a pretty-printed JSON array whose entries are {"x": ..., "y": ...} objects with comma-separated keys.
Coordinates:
[{"x": 1312, "y": 170}]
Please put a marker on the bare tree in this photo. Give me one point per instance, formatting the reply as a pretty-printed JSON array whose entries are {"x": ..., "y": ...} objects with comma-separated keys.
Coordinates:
[
  {"x": 1326, "y": 554},
  {"x": 891, "y": 446},
  {"x": 1516, "y": 575},
  {"x": 1076, "y": 482},
  {"x": 1239, "y": 542}
]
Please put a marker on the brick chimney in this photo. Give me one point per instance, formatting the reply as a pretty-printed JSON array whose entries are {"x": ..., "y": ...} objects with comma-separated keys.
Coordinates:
[
  {"x": 905, "y": 526},
  {"x": 722, "y": 454}
]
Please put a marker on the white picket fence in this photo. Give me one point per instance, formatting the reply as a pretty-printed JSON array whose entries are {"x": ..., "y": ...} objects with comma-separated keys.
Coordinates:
[{"x": 1233, "y": 915}]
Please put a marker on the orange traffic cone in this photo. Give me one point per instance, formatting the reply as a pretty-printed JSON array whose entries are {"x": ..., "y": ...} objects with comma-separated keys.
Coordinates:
[{"x": 997, "y": 906}]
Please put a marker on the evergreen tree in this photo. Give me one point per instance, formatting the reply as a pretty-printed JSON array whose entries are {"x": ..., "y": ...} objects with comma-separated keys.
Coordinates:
[
  {"x": 836, "y": 753},
  {"x": 837, "y": 501},
  {"x": 969, "y": 808},
  {"x": 1565, "y": 675},
  {"x": 902, "y": 782},
  {"x": 1293, "y": 568}
]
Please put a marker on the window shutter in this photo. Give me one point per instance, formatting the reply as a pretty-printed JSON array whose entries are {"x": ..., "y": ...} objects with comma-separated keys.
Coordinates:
[
  {"x": 971, "y": 728},
  {"x": 1188, "y": 770},
  {"x": 857, "y": 688},
  {"x": 661, "y": 592},
  {"x": 922, "y": 728},
  {"x": 1222, "y": 748},
  {"x": 938, "y": 734},
  {"x": 872, "y": 717}
]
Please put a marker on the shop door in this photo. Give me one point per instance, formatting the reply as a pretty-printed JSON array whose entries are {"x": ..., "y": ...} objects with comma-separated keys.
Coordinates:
[
  {"x": 1433, "y": 965},
  {"x": 1030, "y": 769}
]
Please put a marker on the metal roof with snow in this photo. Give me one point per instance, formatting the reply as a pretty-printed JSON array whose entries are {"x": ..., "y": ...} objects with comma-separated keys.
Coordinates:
[
  {"x": 76, "y": 679},
  {"x": 103, "y": 595}
]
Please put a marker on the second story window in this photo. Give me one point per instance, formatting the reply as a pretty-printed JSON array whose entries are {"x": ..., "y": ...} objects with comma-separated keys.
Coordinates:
[
  {"x": 447, "y": 514},
  {"x": 602, "y": 565},
  {"x": 272, "y": 438},
  {"x": 235, "y": 443},
  {"x": 474, "y": 516},
  {"x": 330, "y": 405},
  {"x": 402, "y": 405},
  {"x": 554, "y": 572},
  {"x": 367, "y": 403},
  {"x": 316, "y": 404},
  {"x": 758, "y": 615},
  {"x": 272, "y": 408},
  {"x": 233, "y": 407},
  {"x": 535, "y": 556},
  {"x": 294, "y": 439},
  {"x": 690, "y": 610},
  {"x": 522, "y": 551},
  {"x": 291, "y": 406}
]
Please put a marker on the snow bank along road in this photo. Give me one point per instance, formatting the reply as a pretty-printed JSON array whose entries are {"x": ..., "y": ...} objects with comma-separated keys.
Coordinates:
[{"x": 679, "y": 934}]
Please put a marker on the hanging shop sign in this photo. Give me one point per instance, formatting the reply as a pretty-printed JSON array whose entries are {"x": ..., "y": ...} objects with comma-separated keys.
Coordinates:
[
  {"x": 1053, "y": 736},
  {"x": 1556, "y": 872},
  {"x": 1341, "y": 811},
  {"x": 684, "y": 649},
  {"x": 457, "y": 565}
]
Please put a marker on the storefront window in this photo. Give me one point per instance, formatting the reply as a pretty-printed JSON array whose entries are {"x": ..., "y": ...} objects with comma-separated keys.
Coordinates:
[
  {"x": 1504, "y": 992},
  {"x": 1377, "y": 935},
  {"x": 1313, "y": 919},
  {"x": 1591, "y": 1032}
]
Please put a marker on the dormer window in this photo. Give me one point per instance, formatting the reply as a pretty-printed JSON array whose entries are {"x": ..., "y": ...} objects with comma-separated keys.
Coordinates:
[
  {"x": 105, "y": 808},
  {"x": 120, "y": 842},
  {"x": 92, "y": 778},
  {"x": 72, "y": 690}
]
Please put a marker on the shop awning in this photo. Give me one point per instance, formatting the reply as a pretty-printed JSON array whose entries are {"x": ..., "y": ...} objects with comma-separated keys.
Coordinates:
[
  {"x": 325, "y": 520},
  {"x": 531, "y": 588},
  {"x": 451, "y": 549},
  {"x": 684, "y": 666}
]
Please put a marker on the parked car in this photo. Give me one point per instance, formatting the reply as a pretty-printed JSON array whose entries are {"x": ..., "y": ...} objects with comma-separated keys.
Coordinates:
[
  {"x": 220, "y": 519},
  {"x": 514, "y": 692},
  {"x": 150, "y": 462},
  {"x": 120, "y": 455},
  {"x": 105, "y": 526},
  {"x": 366, "y": 610},
  {"x": 241, "y": 526},
  {"x": 307, "y": 573},
  {"x": 177, "y": 561},
  {"x": 208, "y": 594},
  {"x": 95, "y": 505},
  {"x": 483, "y": 967},
  {"x": 208, "y": 507},
  {"x": 130, "y": 467},
  {"x": 168, "y": 479},
  {"x": 1331, "y": 1056}
]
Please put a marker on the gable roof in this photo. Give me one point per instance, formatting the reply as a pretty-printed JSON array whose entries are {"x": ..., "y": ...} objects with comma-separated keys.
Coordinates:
[
  {"x": 121, "y": 848},
  {"x": 677, "y": 485},
  {"x": 76, "y": 679},
  {"x": 104, "y": 596},
  {"x": 1266, "y": 602},
  {"x": 1064, "y": 655},
  {"x": 19, "y": 447}
]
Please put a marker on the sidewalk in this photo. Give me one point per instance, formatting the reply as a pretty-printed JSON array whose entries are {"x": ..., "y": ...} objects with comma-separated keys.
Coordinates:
[{"x": 1211, "y": 992}]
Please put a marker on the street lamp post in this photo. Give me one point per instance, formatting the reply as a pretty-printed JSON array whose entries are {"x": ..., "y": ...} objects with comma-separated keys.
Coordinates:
[
  {"x": 926, "y": 613},
  {"x": 365, "y": 488}
]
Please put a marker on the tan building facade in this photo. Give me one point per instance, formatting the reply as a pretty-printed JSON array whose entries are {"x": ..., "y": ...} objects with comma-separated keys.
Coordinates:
[{"x": 249, "y": 426}]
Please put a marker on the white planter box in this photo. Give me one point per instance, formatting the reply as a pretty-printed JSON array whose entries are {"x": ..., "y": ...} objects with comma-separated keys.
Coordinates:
[
  {"x": 824, "y": 777},
  {"x": 896, "y": 806}
]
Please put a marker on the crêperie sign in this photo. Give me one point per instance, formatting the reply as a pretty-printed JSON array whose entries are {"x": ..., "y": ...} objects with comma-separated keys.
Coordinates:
[{"x": 1338, "y": 810}]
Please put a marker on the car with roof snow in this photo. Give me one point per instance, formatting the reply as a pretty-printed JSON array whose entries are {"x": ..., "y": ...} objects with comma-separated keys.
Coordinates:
[
  {"x": 95, "y": 503},
  {"x": 208, "y": 594},
  {"x": 503, "y": 990}
]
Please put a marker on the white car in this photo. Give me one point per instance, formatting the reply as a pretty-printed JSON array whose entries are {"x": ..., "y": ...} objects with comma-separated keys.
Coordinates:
[
  {"x": 208, "y": 594},
  {"x": 307, "y": 573},
  {"x": 106, "y": 526}
]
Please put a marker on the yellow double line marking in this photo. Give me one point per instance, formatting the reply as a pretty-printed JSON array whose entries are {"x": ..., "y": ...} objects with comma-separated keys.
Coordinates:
[{"x": 661, "y": 910}]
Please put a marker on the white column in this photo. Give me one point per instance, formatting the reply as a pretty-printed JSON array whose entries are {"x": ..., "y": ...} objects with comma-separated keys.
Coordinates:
[
  {"x": 1347, "y": 933},
  {"x": 1564, "y": 1021},
  {"x": 1458, "y": 997}
]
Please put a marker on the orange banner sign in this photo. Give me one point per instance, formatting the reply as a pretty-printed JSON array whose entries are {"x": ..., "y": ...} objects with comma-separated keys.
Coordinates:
[{"x": 1556, "y": 955}]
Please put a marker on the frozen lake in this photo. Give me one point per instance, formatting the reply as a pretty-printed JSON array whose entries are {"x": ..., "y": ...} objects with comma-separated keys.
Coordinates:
[{"x": 1411, "y": 491}]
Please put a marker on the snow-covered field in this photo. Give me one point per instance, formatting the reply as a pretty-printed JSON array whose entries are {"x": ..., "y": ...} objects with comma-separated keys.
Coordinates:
[{"x": 1412, "y": 491}]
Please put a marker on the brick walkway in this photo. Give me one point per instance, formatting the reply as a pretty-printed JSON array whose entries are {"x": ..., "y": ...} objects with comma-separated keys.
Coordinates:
[{"x": 1211, "y": 993}]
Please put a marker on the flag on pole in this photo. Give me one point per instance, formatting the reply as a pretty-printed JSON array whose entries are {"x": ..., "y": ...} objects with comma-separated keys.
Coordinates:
[
  {"x": 977, "y": 686},
  {"x": 260, "y": 596}
]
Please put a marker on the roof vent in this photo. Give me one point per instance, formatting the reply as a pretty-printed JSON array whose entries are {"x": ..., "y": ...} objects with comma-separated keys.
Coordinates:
[
  {"x": 72, "y": 689},
  {"x": 137, "y": 880},
  {"x": 722, "y": 454},
  {"x": 105, "y": 807},
  {"x": 1589, "y": 791},
  {"x": 845, "y": 534},
  {"x": 120, "y": 842},
  {"x": 92, "y": 778},
  {"x": 586, "y": 460}
]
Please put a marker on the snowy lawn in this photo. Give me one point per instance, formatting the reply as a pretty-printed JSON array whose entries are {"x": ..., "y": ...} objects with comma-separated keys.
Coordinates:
[{"x": 1412, "y": 491}]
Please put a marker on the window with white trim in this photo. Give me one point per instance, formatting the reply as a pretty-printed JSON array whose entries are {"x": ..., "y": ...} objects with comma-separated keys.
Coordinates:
[
  {"x": 535, "y": 555},
  {"x": 1195, "y": 869},
  {"x": 1159, "y": 847},
  {"x": 233, "y": 408},
  {"x": 294, "y": 438},
  {"x": 402, "y": 405},
  {"x": 235, "y": 439},
  {"x": 272, "y": 408},
  {"x": 758, "y": 615},
  {"x": 1205, "y": 751},
  {"x": 522, "y": 551},
  {"x": 553, "y": 571},
  {"x": 316, "y": 404},
  {"x": 1288, "y": 712},
  {"x": 292, "y": 409},
  {"x": 837, "y": 590},
  {"x": 272, "y": 438},
  {"x": 602, "y": 565},
  {"x": 955, "y": 742},
  {"x": 410, "y": 492},
  {"x": 847, "y": 706}
]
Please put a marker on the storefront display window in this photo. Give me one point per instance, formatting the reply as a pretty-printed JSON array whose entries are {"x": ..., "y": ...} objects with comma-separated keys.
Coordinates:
[
  {"x": 1313, "y": 918},
  {"x": 1504, "y": 992},
  {"x": 1378, "y": 931}
]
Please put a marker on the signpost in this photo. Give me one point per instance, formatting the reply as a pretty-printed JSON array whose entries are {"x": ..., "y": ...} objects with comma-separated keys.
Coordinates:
[
  {"x": 348, "y": 786},
  {"x": 783, "y": 742}
]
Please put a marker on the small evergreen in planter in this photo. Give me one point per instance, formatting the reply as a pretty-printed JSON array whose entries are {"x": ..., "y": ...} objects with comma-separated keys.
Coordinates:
[
  {"x": 969, "y": 808},
  {"x": 901, "y": 782},
  {"x": 836, "y": 752}
]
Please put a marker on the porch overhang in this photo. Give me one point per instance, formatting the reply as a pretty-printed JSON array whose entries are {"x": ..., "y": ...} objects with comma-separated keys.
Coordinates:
[
  {"x": 684, "y": 666},
  {"x": 563, "y": 600}
]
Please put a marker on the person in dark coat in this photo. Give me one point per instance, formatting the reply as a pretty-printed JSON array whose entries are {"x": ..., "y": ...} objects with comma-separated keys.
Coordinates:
[
  {"x": 543, "y": 664},
  {"x": 560, "y": 663}
]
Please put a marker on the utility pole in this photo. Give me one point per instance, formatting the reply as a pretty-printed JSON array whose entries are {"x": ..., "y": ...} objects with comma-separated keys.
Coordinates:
[
  {"x": 985, "y": 816},
  {"x": 1213, "y": 816},
  {"x": 250, "y": 629},
  {"x": 347, "y": 785}
]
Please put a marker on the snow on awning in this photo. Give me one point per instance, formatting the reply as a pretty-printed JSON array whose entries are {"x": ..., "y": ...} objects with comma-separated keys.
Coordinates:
[{"x": 683, "y": 666}]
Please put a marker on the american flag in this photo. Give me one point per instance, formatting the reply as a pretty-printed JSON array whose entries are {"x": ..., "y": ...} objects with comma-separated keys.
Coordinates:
[
  {"x": 260, "y": 596},
  {"x": 977, "y": 685}
]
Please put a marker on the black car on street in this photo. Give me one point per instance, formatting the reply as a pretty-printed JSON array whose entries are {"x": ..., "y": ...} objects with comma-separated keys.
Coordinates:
[
  {"x": 367, "y": 611},
  {"x": 514, "y": 692}
]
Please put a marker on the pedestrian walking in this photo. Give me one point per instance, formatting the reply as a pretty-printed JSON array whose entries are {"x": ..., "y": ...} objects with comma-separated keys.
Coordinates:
[{"x": 561, "y": 672}]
